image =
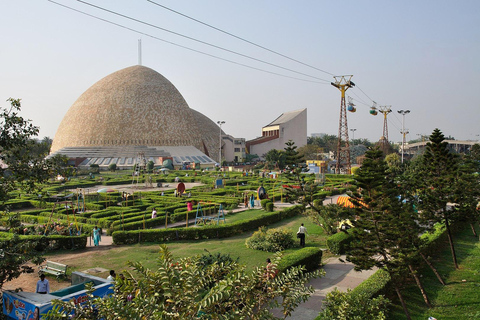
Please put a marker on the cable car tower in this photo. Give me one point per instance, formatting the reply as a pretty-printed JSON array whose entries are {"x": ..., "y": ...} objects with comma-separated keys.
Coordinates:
[
  {"x": 343, "y": 83},
  {"x": 385, "y": 110}
]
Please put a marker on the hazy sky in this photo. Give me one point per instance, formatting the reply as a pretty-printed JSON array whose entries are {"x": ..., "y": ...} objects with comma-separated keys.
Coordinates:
[{"x": 417, "y": 55}]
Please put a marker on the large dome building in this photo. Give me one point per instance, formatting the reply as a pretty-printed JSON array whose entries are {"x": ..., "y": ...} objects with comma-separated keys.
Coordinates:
[{"x": 135, "y": 111}]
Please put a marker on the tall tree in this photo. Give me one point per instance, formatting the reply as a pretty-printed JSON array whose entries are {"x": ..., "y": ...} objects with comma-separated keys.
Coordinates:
[
  {"x": 292, "y": 156},
  {"x": 470, "y": 193},
  {"x": 440, "y": 185},
  {"x": 20, "y": 168},
  {"x": 384, "y": 232}
]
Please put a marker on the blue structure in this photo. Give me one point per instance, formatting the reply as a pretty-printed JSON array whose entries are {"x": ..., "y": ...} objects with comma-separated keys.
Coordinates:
[
  {"x": 201, "y": 217},
  {"x": 31, "y": 305}
]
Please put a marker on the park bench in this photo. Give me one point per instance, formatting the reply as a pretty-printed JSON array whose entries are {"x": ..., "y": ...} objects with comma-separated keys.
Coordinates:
[{"x": 54, "y": 268}]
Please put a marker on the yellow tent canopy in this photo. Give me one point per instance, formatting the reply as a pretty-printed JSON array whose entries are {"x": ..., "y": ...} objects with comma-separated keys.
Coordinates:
[{"x": 345, "y": 201}]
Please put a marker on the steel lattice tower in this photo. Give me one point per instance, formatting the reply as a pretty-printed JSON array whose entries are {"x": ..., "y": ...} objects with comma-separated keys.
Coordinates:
[
  {"x": 342, "y": 83},
  {"x": 385, "y": 110}
]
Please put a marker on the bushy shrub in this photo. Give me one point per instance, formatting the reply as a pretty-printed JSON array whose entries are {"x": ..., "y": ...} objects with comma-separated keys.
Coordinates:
[
  {"x": 269, "y": 206},
  {"x": 344, "y": 305},
  {"x": 264, "y": 202},
  {"x": 271, "y": 240}
]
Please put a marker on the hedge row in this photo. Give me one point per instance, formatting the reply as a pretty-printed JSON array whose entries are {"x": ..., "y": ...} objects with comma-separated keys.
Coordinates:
[
  {"x": 310, "y": 257},
  {"x": 339, "y": 242},
  {"x": 86, "y": 228},
  {"x": 52, "y": 242},
  {"x": 375, "y": 285},
  {"x": 206, "y": 232}
]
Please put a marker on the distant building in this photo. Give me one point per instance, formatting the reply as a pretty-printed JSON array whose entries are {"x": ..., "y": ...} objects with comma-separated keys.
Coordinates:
[
  {"x": 233, "y": 149},
  {"x": 288, "y": 126}
]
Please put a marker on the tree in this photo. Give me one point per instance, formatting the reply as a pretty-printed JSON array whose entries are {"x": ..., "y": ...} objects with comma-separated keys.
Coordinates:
[
  {"x": 386, "y": 232},
  {"x": 23, "y": 169},
  {"x": 328, "y": 142},
  {"x": 275, "y": 159},
  {"x": 292, "y": 157},
  {"x": 467, "y": 208},
  {"x": 191, "y": 289},
  {"x": 439, "y": 185},
  {"x": 328, "y": 216},
  {"x": 310, "y": 152},
  {"x": 112, "y": 167},
  {"x": 151, "y": 165}
]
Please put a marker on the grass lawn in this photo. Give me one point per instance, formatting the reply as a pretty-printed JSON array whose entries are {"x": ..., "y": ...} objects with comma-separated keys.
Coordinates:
[
  {"x": 117, "y": 257},
  {"x": 460, "y": 298}
]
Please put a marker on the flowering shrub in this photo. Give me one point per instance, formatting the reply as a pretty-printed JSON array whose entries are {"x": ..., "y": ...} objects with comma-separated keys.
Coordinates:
[{"x": 271, "y": 240}]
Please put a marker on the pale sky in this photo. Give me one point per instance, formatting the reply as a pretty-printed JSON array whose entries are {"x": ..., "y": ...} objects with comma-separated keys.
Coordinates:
[{"x": 421, "y": 56}]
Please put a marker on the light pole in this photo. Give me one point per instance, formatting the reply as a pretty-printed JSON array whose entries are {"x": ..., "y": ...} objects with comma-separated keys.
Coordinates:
[
  {"x": 403, "y": 113},
  {"x": 220, "y": 150},
  {"x": 353, "y": 135}
]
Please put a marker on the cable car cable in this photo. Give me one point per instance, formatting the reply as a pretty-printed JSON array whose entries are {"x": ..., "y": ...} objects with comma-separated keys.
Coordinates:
[
  {"x": 197, "y": 40},
  {"x": 239, "y": 38},
  {"x": 181, "y": 46}
]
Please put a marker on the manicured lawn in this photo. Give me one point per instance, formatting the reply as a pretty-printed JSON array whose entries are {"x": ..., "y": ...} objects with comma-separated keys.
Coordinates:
[
  {"x": 460, "y": 298},
  {"x": 117, "y": 257}
]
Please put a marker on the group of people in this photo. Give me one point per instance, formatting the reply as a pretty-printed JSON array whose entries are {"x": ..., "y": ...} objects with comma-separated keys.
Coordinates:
[{"x": 249, "y": 201}]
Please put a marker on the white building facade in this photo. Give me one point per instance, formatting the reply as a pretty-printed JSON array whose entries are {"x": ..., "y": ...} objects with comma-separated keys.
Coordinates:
[{"x": 288, "y": 126}]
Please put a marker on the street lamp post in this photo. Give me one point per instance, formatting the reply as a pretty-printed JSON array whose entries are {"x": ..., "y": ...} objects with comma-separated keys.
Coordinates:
[
  {"x": 403, "y": 113},
  {"x": 220, "y": 148},
  {"x": 353, "y": 135}
]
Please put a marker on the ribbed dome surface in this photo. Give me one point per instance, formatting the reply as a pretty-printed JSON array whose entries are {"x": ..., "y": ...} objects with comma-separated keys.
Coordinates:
[{"x": 135, "y": 106}]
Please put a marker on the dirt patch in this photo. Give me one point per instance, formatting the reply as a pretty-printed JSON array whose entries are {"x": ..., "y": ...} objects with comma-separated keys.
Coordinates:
[{"x": 28, "y": 281}]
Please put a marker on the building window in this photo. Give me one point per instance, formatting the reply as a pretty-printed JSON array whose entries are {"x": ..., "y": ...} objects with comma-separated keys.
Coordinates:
[{"x": 237, "y": 150}]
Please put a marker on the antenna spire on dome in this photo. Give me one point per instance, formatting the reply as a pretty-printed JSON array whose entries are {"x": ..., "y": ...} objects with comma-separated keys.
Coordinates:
[{"x": 139, "y": 52}]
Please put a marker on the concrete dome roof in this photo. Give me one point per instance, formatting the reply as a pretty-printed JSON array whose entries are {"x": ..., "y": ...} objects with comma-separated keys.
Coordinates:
[{"x": 135, "y": 106}]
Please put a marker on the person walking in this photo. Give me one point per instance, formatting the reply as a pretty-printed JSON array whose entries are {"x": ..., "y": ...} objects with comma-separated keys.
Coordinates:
[
  {"x": 97, "y": 237},
  {"x": 154, "y": 213},
  {"x": 43, "y": 286},
  {"x": 302, "y": 231}
]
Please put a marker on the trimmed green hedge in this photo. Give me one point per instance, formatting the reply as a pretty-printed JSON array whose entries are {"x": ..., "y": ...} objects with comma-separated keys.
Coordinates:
[
  {"x": 375, "y": 285},
  {"x": 339, "y": 242},
  {"x": 310, "y": 257},
  {"x": 53, "y": 242},
  {"x": 206, "y": 232}
]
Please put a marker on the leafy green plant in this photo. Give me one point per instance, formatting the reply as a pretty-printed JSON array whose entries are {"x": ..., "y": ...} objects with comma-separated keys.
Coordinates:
[
  {"x": 344, "y": 305},
  {"x": 271, "y": 240},
  {"x": 185, "y": 289}
]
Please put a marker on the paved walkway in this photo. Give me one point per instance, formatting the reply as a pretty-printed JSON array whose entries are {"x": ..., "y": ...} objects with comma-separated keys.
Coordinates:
[{"x": 337, "y": 275}]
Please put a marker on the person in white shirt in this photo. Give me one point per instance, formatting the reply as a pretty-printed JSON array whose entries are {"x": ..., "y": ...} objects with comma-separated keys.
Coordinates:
[
  {"x": 112, "y": 276},
  {"x": 302, "y": 231},
  {"x": 154, "y": 213},
  {"x": 43, "y": 286}
]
